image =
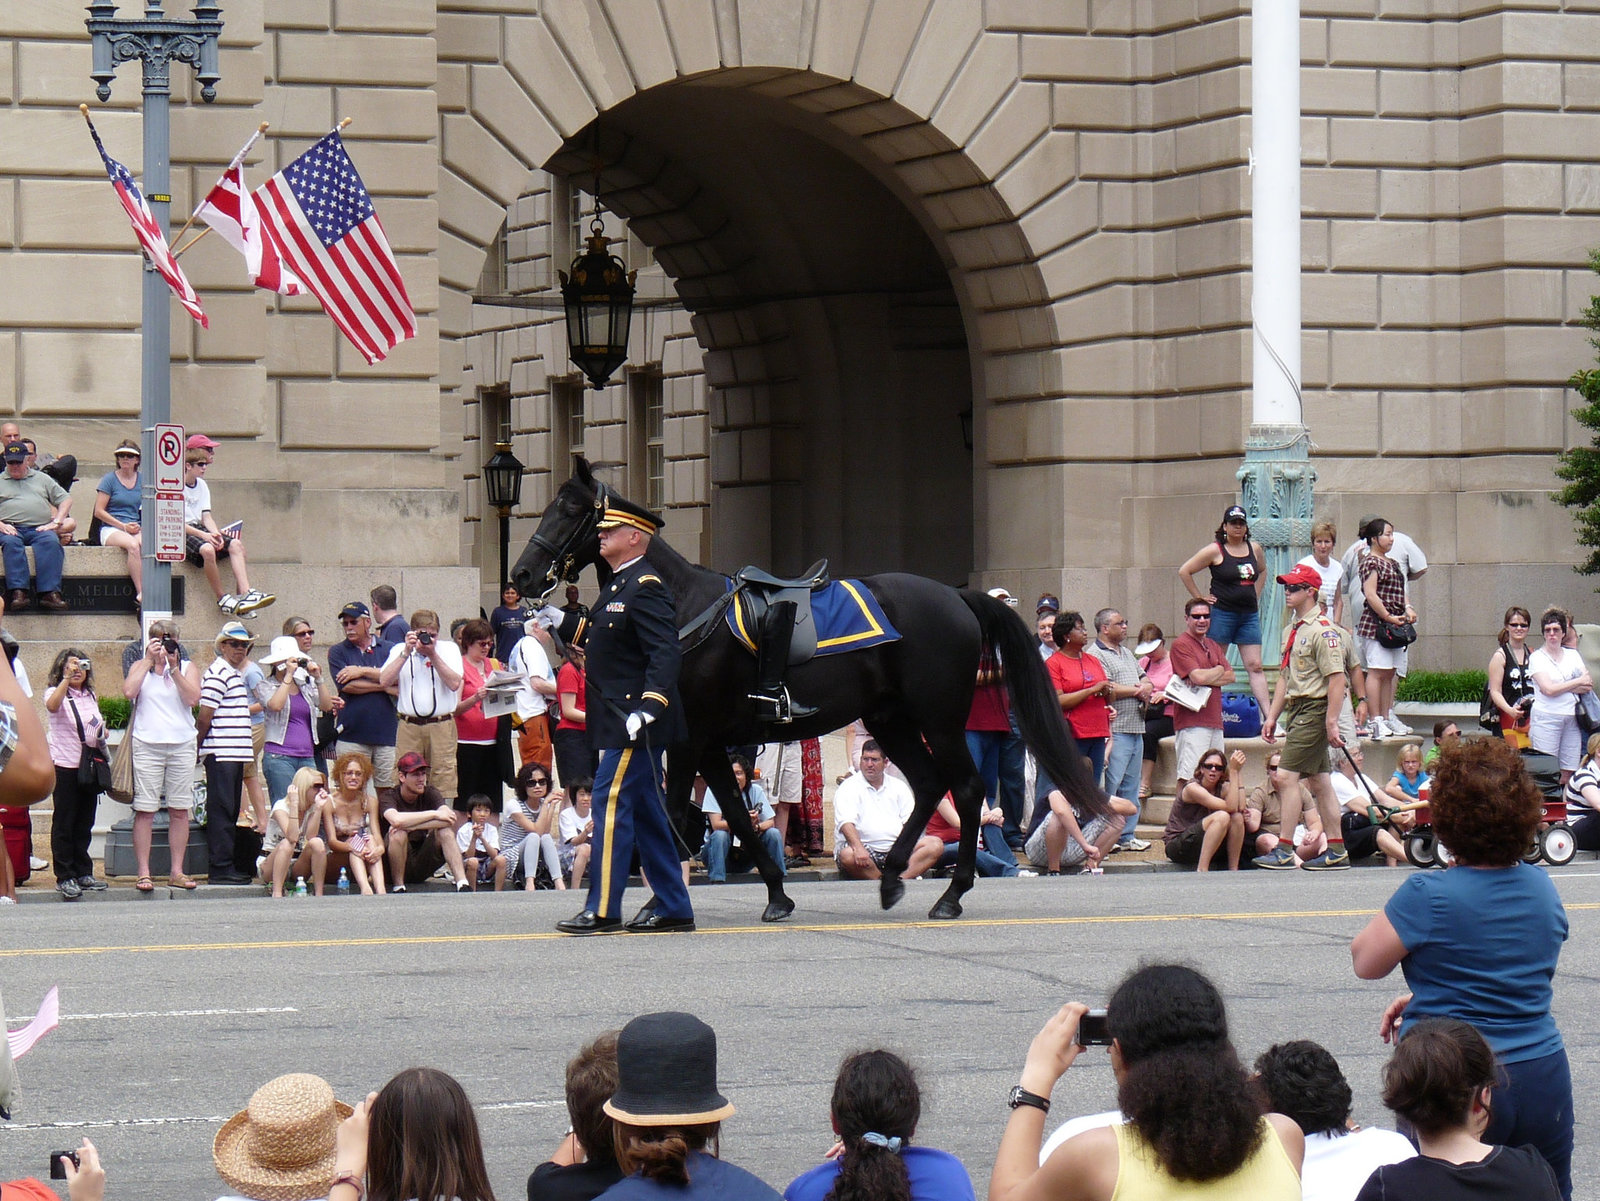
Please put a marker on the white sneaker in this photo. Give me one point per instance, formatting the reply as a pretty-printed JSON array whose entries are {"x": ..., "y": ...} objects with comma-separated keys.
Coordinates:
[
  {"x": 228, "y": 603},
  {"x": 255, "y": 599},
  {"x": 36, "y": 864},
  {"x": 1375, "y": 730},
  {"x": 1397, "y": 727},
  {"x": 1024, "y": 873}
]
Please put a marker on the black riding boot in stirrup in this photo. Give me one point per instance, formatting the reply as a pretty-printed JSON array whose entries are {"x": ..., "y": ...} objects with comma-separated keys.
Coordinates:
[{"x": 772, "y": 657}]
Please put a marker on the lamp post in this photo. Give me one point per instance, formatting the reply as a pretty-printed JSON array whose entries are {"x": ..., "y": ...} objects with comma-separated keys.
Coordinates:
[
  {"x": 502, "y": 482},
  {"x": 598, "y": 295},
  {"x": 1276, "y": 478},
  {"x": 156, "y": 40}
]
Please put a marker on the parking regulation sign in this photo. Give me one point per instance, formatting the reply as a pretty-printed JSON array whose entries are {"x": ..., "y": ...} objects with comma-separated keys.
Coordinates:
[
  {"x": 169, "y": 527},
  {"x": 169, "y": 459}
]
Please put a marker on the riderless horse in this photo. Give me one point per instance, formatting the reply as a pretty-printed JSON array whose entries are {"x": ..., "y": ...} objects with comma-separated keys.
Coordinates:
[{"x": 913, "y": 693}]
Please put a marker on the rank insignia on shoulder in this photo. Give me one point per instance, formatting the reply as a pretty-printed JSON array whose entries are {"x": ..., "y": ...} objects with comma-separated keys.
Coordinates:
[
  {"x": 1331, "y": 637},
  {"x": 649, "y": 579}
]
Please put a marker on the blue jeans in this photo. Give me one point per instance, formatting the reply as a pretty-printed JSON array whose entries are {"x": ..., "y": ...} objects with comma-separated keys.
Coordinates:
[
  {"x": 722, "y": 856},
  {"x": 1094, "y": 750},
  {"x": 1533, "y": 1105},
  {"x": 995, "y": 858},
  {"x": 47, "y": 557},
  {"x": 1123, "y": 764},
  {"x": 280, "y": 769}
]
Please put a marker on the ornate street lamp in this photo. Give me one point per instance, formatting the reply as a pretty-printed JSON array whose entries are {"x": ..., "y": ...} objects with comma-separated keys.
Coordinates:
[
  {"x": 599, "y": 301},
  {"x": 502, "y": 483},
  {"x": 155, "y": 41}
]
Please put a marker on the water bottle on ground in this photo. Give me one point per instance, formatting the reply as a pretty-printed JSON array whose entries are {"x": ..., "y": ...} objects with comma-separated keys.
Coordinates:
[
  {"x": 299, "y": 886},
  {"x": 343, "y": 885}
]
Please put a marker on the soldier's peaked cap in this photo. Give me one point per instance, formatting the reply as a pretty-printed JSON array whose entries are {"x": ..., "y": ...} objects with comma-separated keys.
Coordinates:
[{"x": 623, "y": 512}]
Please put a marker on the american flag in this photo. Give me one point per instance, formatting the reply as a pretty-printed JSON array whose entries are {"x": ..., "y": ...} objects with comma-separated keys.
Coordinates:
[
  {"x": 230, "y": 210},
  {"x": 320, "y": 218},
  {"x": 149, "y": 232}
]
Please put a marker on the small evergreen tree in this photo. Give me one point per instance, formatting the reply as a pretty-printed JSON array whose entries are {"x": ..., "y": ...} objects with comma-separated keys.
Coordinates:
[{"x": 1580, "y": 466}]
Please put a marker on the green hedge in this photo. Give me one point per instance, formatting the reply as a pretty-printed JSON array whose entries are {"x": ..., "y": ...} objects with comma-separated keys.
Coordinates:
[
  {"x": 114, "y": 712},
  {"x": 1442, "y": 687}
]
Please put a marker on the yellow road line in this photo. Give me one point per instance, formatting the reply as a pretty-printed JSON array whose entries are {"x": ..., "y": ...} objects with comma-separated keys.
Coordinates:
[{"x": 886, "y": 926}]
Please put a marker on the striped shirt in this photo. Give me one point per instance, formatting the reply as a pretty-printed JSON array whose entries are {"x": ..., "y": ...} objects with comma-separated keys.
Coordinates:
[{"x": 222, "y": 690}]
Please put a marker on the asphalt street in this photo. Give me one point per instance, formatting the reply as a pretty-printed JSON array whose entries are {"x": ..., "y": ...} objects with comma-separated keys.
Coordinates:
[{"x": 173, "y": 1012}]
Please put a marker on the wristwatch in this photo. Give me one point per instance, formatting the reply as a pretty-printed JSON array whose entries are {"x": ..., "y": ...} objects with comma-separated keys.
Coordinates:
[{"x": 1021, "y": 1096}]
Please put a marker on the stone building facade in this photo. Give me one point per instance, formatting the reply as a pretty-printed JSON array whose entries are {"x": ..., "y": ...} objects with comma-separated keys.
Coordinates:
[{"x": 954, "y": 286}]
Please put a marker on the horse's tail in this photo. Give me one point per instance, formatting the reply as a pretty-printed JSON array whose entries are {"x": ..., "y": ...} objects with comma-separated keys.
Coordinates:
[{"x": 1034, "y": 703}]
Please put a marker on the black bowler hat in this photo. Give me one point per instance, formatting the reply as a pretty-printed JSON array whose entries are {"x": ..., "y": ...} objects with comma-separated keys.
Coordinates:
[{"x": 667, "y": 1073}]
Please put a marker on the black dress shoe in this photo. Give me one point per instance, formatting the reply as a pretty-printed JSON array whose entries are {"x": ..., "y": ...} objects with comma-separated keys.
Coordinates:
[
  {"x": 589, "y": 922},
  {"x": 660, "y": 923},
  {"x": 234, "y": 878}
]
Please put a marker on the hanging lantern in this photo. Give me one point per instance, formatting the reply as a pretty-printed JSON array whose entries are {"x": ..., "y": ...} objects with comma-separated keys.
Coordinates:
[{"x": 599, "y": 300}]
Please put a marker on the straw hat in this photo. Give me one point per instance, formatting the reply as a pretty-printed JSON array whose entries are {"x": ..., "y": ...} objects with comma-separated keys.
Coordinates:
[{"x": 281, "y": 1147}]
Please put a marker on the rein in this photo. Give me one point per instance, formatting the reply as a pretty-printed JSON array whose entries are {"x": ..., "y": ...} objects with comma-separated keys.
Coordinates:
[
  {"x": 563, "y": 564},
  {"x": 702, "y": 627}
]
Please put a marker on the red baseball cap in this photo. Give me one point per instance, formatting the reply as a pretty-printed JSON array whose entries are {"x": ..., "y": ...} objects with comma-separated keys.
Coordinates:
[
  {"x": 410, "y": 762},
  {"x": 1302, "y": 574},
  {"x": 200, "y": 442}
]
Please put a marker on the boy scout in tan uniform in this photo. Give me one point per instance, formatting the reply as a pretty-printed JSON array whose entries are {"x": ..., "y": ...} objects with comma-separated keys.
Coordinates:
[{"x": 1310, "y": 693}]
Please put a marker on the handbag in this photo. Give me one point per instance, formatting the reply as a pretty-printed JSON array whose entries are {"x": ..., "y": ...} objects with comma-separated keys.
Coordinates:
[
  {"x": 1396, "y": 636},
  {"x": 120, "y": 788},
  {"x": 1586, "y": 711},
  {"x": 94, "y": 769},
  {"x": 1489, "y": 715}
]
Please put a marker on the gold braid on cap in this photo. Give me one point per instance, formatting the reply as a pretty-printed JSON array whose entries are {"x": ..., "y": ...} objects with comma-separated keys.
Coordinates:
[{"x": 615, "y": 517}]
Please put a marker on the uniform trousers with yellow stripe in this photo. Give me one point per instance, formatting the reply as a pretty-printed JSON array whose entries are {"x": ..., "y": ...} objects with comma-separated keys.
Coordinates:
[{"x": 628, "y": 810}]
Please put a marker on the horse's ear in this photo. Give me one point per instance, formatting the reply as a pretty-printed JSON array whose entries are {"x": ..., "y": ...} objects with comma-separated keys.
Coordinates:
[{"x": 580, "y": 468}]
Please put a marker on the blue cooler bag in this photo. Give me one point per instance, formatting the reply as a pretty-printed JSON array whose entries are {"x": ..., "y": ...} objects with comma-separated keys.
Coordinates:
[{"x": 1241, "y": 716}]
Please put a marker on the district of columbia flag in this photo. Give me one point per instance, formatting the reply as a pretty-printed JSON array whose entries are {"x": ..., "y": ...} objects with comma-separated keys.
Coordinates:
[
  {"x": 318, "y": 215},
  {"x": 230, "y": 211},
  {"x": 149, "y": 232}
]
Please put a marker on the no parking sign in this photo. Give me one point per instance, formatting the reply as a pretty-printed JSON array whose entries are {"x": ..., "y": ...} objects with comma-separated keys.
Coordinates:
[{"x": 169, "y": 493}]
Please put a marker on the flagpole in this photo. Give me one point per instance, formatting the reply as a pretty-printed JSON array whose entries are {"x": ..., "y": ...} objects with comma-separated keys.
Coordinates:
[
  {"x": 180, "y": 249},
  {"x": 232, "y": 163},
  {"x": 156, "y": 40}
]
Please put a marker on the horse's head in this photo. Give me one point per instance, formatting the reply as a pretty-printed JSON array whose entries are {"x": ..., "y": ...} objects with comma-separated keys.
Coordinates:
[{"x": 565, "y": 542}]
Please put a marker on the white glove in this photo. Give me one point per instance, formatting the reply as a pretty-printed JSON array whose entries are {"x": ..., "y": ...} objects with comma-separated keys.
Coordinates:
[
  {"x": 548, "y": 617},
  {"x": 637, "y": 721}
]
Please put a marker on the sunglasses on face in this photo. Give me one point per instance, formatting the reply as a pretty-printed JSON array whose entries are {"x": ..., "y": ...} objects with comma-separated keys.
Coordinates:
[
  {"x": 1516, "y": 625},
  {"x": 1291, "y": 589},
  {"x": 304, "y": 633},
  {"x": 1199, "y": 617},
  {"x": 235, "y": 643},
  {"x": 538, "y": 782}
]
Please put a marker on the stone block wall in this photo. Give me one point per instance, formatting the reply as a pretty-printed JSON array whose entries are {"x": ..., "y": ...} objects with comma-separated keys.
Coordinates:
[{"x": 340, "y": 469}]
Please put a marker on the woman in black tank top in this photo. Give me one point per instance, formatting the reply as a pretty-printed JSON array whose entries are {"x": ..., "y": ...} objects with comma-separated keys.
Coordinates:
[
  {"x": 1237, "y": 565},
  {"x": 1510, "y": 686}
]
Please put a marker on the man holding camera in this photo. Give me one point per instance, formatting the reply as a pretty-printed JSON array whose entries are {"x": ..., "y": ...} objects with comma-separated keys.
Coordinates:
[{"x": 427, "y": 673}]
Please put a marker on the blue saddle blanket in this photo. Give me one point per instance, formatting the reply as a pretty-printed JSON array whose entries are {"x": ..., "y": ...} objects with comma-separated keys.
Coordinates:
[{"x": 847, "y": 616}]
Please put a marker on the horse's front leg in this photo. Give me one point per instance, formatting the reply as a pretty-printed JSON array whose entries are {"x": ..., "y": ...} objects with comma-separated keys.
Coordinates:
[{"x": 718, "y": 774}]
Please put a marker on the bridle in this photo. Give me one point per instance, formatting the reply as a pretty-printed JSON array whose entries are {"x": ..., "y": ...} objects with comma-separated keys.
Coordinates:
[{"x": 563, "y": 558}]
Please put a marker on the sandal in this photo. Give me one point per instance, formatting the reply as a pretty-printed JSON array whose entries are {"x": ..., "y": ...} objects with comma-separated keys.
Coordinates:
[
  {"x": 182, "y": 881},
  {"x": 145, "y": 884}
]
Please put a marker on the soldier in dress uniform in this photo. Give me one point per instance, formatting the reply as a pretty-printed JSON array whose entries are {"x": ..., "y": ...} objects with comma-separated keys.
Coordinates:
[
  {"x": 633, "y": 714},
  {"x": 1311, "y": 690}
]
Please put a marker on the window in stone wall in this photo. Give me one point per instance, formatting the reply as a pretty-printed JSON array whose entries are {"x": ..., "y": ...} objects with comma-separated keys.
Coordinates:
[
  {"x": 566, "y": 423},
  {"x": 646, "y": 441}
]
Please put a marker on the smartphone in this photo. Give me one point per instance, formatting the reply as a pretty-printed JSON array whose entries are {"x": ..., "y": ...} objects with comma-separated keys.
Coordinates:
[
  {"x": 1092, "y": 1030},
  {"x": 58, "y": 1170}
]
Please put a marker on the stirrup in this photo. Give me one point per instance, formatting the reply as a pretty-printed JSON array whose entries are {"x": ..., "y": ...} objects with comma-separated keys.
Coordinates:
[{"x": 784, "y": 710}]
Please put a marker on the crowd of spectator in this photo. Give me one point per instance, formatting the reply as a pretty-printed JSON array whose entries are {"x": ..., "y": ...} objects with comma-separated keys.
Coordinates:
[{"x": 649, "y": 1122}]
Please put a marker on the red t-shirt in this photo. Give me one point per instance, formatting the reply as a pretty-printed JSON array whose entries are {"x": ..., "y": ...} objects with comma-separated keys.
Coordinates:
[
  {"x": 941, "y": 829},
  {"x": 1187, "y": 654},
  {"x": 570, "y": 679},
  {"x": 1092, "y": 718},
  {"x": 473, "y": 726}
]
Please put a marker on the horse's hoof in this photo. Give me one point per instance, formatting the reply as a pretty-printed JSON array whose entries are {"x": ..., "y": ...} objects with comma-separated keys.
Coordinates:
[
  {"x": 891, "y": 890},
  {"x": 946, "y": 909},
  {"x": 777, "y": 910}
]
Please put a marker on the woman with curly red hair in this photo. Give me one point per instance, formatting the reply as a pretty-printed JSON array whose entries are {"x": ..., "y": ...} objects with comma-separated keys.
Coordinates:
[{"x": 1479, "y": 942}]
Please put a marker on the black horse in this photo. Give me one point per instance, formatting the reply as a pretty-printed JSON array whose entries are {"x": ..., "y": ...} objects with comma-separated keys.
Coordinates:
[{"x": 913, "y": 694}]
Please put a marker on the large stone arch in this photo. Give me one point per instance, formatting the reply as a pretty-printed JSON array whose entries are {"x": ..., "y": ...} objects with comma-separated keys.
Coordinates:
[{"x": 917, "y": 98}]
